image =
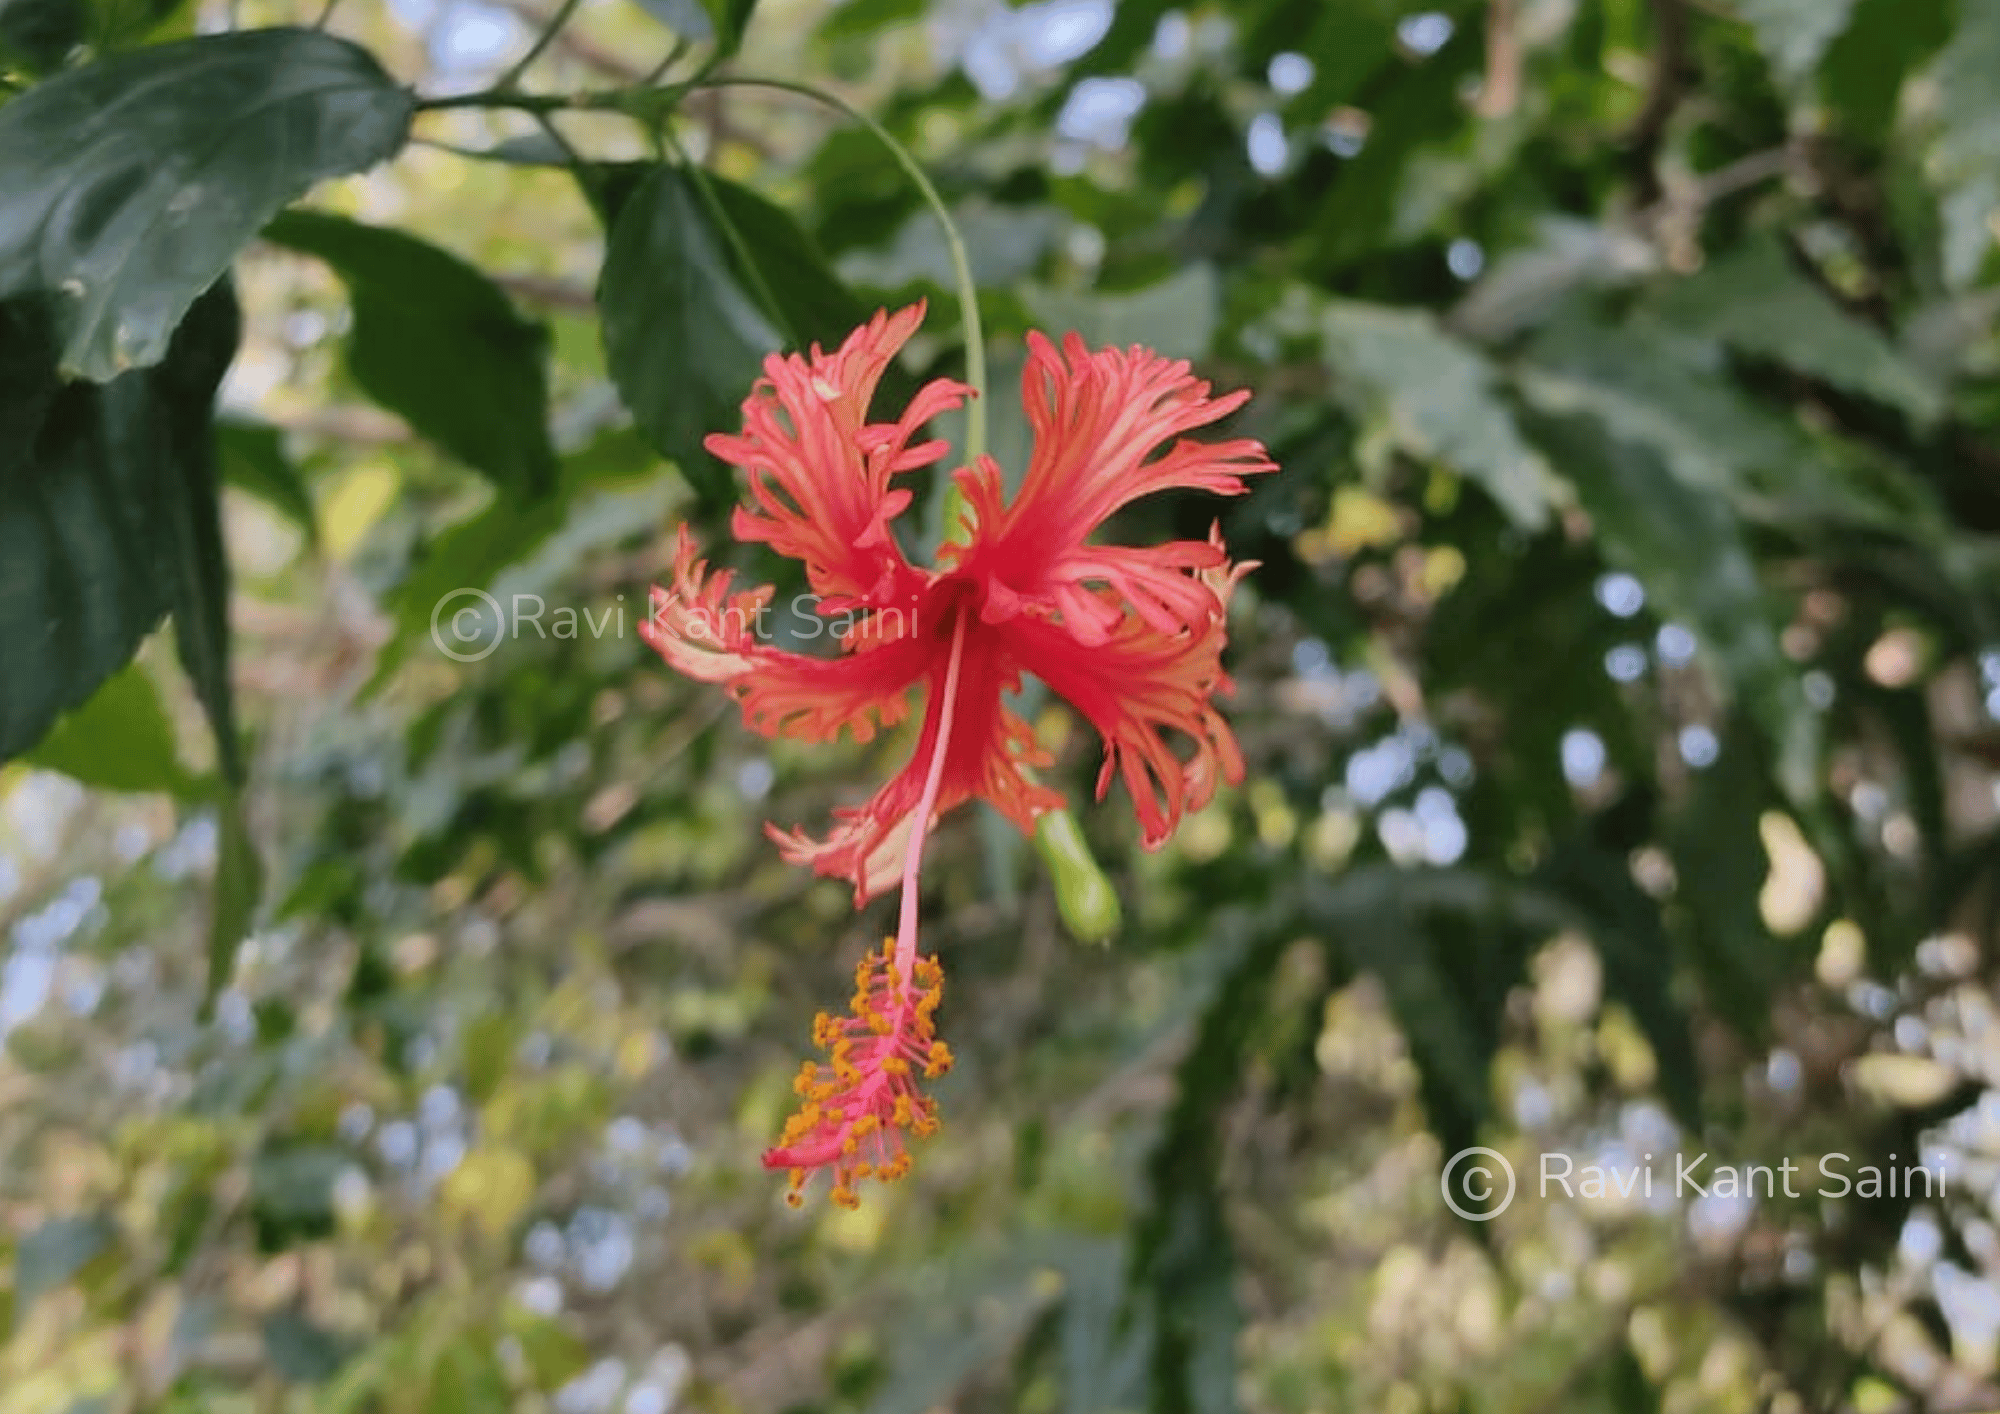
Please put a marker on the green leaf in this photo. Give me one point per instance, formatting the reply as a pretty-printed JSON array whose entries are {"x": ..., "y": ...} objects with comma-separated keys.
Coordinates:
[
  {"x": 467, "y": 1379},
  {"x": 1448, "y": 945},
  {"x": 1862, "y": 74},
  {"x": 53, "y": 1253},
  {"x": 1965, "y": 160},
  {"x": 118, "y": 740},
  {"x": 859, "y": 19},
  {"x": 963, "y": 1315},
  {"x": 1685, "y": 546},
  {"x": 1429, "y": 395},
  {"x": 439, "y": 343},
  {"x": 1715, "y": 843},
  {"x": 294, "y": 1183},
  {"x": 41, "y": 32},
  {"x": 127, "y": 186},
  {"x": 1794, "y": 33},
  {"x": 239, "y": 885},
  {"x": 814, "y": 305},
  {"x": 192, "y": 521},
  {"x": 104, "y": 494},
  {"x": 682, "y": 338},
  {"x": 300, "y": 1350},
  {"x": 254, "y": 460},
  {"x": 1103, "y": 1355},
  {"x": 1183, "y": 1260},
  {"x": 1176, "y": 317},
  {"x": 1755, "y": 301},
  {"x": 731, "y": 18}
]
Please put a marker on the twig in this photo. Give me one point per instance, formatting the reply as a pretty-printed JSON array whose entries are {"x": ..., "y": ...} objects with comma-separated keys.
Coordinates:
[
  {"x": 1502, "y": 89},
  {"x": 561, "y": 17},
  {"x": 586, "y": 52},
  {"x": 1663, "y": 90}
]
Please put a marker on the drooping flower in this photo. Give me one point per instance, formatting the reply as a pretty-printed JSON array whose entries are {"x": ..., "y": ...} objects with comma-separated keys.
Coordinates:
[{"x": 1131, "y": 637}]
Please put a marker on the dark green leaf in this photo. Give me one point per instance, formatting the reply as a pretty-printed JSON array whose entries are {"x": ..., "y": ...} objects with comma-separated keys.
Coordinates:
[
  {"x": 1103, "y": 1355},
  {"x": 127, "y": 186},
  {"x": 53, "y": 1253},
  {"x": 1718, "y": 852},
  {"x": 1433, "y": 396},
  {"x": 1182, "y": 1256},
  {"x": 118, "y": 740},
  {"x": 254, "y": 460},
  {"x": 1757, "y": 303},
  {"x": 813, "y": 303},
  {"x": 1862, "y": 74},
  {"x": 439, "y": 343},
  {"x": 299, "y": 1350},
  {"x": 41, "y": 32},
  {"x": 103, "y": 493},
  {"x": 1447, "y": 944},
  {"x": 683, "y": 339},
  {"x": 1965, "y": 161},
  {"x": 192, "y": 523},
  {"x": 239, "y": 885},
  {"x": 730, "y": 18},
  {"x": 295, "y": 1183},
  {"x": 1683, "y": 543}
]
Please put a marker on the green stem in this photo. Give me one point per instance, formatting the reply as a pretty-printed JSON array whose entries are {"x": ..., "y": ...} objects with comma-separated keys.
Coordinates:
[
  {"x": 548, "y": 125},
  {"x": 961, "y": 266},
  {"x": 523, "y": 102},
  {"x": 541, "y": 44},
  {"x": 681, "y": 46}
]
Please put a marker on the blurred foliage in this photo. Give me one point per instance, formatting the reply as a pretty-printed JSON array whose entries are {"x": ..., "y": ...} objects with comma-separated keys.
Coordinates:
[{"x": 398, "y": 987}]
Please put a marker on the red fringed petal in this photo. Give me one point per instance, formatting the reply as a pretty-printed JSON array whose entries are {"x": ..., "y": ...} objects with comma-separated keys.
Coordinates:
[
  {"x": 1140, "y": 683},
  {"x": 706, "y": 632},
  {"x": 820, "y": 472},
  {"x": 1098, "y": 420}
]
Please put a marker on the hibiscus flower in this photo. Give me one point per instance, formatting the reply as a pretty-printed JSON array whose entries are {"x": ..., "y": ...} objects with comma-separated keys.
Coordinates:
[{"x": 1131, "y": 638}]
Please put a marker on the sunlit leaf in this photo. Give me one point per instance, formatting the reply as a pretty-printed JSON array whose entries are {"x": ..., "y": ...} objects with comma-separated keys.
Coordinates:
[{"x": 120, "y": 739}]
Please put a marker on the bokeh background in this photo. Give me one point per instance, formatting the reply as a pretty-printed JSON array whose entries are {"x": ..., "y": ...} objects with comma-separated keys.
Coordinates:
[{"x": 1619, "y": 691}]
